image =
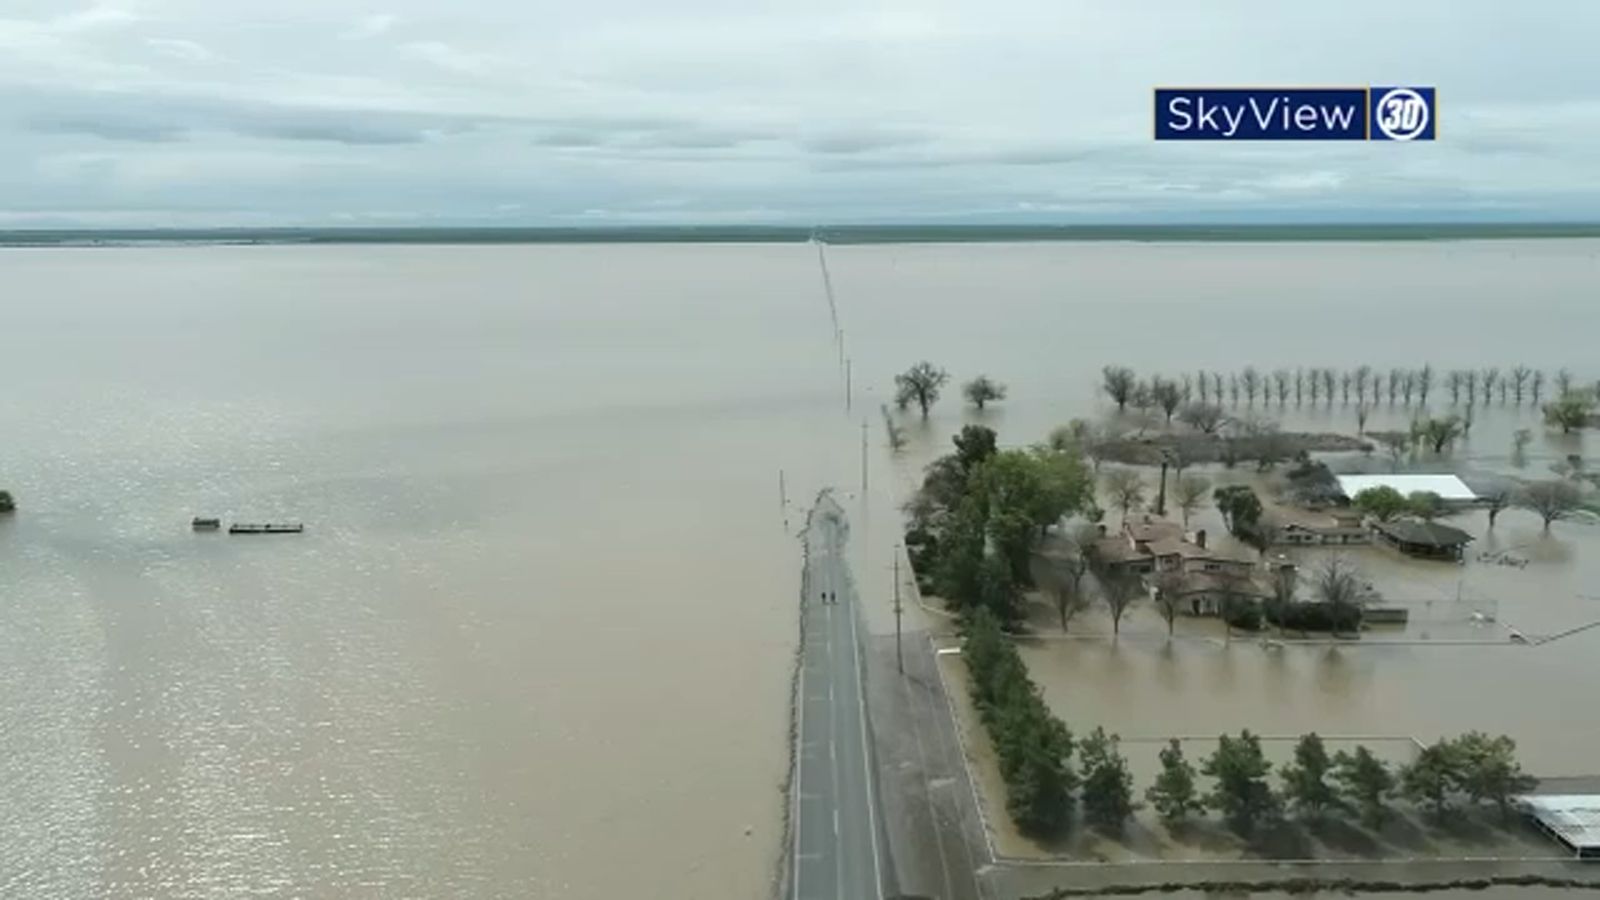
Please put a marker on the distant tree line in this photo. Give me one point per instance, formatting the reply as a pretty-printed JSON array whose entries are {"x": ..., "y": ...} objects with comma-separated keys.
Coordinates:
[{"x": 1366, "y": 385}]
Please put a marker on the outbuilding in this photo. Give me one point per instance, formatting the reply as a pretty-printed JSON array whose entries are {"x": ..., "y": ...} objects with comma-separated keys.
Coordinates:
[{"x": 1426, "y": 539}]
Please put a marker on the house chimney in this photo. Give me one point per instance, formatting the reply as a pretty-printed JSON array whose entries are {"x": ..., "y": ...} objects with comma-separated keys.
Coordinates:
[{"x": 1200, "y": 538}]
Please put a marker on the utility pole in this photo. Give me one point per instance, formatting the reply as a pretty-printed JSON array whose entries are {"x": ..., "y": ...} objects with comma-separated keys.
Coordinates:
[
  {"x": 899, "y": 659},
  {"x": 863, "y": 460},
  {"x": 847, "y": 385}
]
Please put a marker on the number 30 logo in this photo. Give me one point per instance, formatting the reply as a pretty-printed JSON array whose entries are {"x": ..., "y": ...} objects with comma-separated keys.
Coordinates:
[{"x": 1402, "y": 114}]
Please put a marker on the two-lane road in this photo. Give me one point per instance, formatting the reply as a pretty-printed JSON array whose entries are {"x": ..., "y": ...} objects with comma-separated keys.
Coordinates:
[{"x": 837, "y": 847}]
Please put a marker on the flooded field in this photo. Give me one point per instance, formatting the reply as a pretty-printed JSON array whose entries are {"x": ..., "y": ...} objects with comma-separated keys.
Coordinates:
[{"x": 536, "y": 638}]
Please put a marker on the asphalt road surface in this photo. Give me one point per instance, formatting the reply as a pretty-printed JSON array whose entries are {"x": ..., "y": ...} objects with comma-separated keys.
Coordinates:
[{"x": 838, "y": 853}]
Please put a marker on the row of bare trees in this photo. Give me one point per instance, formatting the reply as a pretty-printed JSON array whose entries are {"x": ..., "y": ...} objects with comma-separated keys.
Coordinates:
[{"x": 1366, "y": 385}]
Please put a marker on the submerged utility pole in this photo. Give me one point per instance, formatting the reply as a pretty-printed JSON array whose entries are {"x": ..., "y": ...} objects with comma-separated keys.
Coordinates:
[
  {"x": 863, "y": 460},
  {"x": 899, "y": 659}
]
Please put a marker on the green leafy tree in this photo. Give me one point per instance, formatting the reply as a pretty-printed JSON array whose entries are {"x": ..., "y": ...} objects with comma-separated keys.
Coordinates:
[
  {"x": 1033, "y": 746},
  {"x": 1107, "y": 794},
  {"x": 1305, "y": 781},
  {"x": 1490, "y": 771},
  {"x": 1173, "y": 795},
  {"x": 1383, "y": 503},
  {"x": 983, "y": 390},
  {"x": 1240, "y": 507},
  {"x": 1364, "y": 783},
  {"x": 1241, "y": 793},
  {"x": 974, "y": 445},
  {"x": 997, "y": 590},
  {"x": 1433, "y": 776},
  {"x": 1426, "y": 505},
  {"x": 960, "y": 556},
  {"x": 1570, "y": 411},
  {"x": 921, "y": 384}
]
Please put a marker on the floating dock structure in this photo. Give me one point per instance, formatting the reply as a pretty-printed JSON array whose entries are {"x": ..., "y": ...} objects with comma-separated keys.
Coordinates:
[{"x": 285, "y": 528}]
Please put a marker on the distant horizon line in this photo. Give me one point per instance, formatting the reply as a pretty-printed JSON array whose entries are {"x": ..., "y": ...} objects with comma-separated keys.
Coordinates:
[{"x": 885, "y": 232}]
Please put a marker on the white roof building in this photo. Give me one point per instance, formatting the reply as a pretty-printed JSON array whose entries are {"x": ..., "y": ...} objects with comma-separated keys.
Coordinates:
[
  {"x": 1572, "y": 819},
  {"x": 1448, "y": 487}
]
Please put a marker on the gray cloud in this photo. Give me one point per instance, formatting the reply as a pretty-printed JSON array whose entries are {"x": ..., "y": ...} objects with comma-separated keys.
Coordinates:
[{"x": 836, "y": 109}]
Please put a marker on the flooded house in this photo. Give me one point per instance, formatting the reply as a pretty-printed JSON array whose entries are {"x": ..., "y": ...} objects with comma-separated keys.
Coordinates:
[
  {"x": 1430, "y": 540},
  {"x": 1205, "y": 577}
]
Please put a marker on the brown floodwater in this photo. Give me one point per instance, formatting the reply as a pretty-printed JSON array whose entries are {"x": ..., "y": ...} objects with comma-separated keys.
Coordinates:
[{"x": 537, "y": 636}]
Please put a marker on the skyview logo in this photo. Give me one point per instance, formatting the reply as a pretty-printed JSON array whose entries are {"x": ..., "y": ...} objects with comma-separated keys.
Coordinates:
[{"x": 1296, "y": 114}]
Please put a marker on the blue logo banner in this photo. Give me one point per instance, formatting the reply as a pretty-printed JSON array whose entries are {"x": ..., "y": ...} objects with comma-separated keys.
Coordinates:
[{"x": 1295, "y": 114}]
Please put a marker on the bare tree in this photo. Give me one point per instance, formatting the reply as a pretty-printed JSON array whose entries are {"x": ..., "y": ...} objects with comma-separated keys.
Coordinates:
[
  {"x": 1377, "y": 387},
  {"x": 983, "y": 390},
  {"x": 1489, "y": 378},
  {"x": 1188, "y": 389},
  {"x": 1519, "y": 446},
  {"x": 1233, "y": 388},
  {"x": 1169, "y": 598},
  {"x": 1424, "y": 383},
  {"x": 1251, "y": 380},
  {"x": 1400, "y": 381},
  {"x": 1125, "y": 488},
  {"x": 1563, "y": 381},
  {"x": 1552, "y": 500},
  {"x": 920, "y": 383},
  {"x": 1361, "y": 418},
  {"x": 897, "y": 435},
  {"x": 1338, "y": 581},
  {"x": 1119, "y": 383},
  {"x": 1455, "y": 380},
  {"x": 1120, "y": 590},
  {"x": 1327, "y": 385},
  {"x": 1315, "y": 377},
  {"x": 1189, "y": 493},
  {"x": 1066, "y": 582},
  {"x": 1299, "y": 385},
  {"x": 1167, "y": 396},
  {"x": 1202, "y": 417},
  {"x": 1344, "y": 387},
  {"x": 1397, "y": 443},
  {"x": 1537, "y": 386},
  {"x": 1280, "y": 380},
  {"x": 1519, "y": 381},
  {"x": 1204, "y": 383},
  {"x": 1144, "y": 397},
  {"x": 1362, "y": 374},
  {"x": 1216, "y": 388},
  {"x": 1471, "y": 377},
  {"x": 1496, "y": 501}
]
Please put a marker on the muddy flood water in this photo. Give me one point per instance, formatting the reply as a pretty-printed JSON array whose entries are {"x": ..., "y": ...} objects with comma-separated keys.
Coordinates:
[{"x": 536, "y": 639}]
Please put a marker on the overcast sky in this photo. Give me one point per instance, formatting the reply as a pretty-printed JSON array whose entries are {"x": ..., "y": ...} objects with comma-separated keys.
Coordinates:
[{"x": 329, "y": 112}]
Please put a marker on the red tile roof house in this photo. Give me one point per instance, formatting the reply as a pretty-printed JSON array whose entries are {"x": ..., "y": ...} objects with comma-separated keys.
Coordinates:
[{"x": 1153, "y": 547}]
